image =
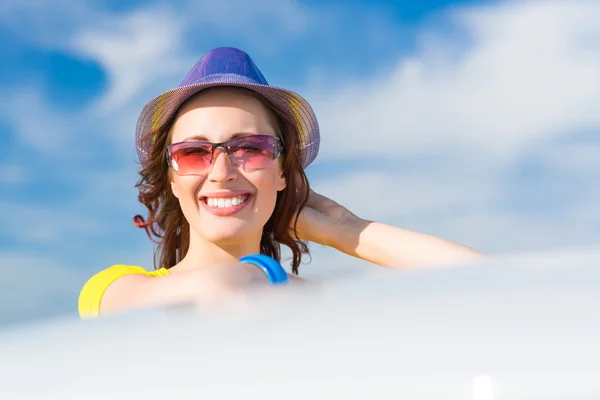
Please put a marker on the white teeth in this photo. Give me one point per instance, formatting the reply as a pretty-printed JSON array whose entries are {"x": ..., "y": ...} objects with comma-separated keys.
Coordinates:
[{"x": 222, "y": 202}]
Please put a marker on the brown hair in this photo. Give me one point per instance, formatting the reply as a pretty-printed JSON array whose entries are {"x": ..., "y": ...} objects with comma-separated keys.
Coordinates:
[{"x": 168, "y": 225}]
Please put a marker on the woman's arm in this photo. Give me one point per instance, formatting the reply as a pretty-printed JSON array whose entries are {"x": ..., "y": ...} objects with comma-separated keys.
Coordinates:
[
  {"x": 391, "y": 246},
  {"x": 326, "y": 222}
]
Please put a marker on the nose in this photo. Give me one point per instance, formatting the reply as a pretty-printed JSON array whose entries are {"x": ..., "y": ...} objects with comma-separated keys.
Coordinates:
[{"x": 222, "y": 169}]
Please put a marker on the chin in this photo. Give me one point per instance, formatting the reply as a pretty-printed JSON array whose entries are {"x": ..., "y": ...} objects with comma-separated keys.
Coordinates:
[
  {"x": 244, "y": 225},
  {"x": 224, "y": 236},
  {"x": 228, "y": 233}
]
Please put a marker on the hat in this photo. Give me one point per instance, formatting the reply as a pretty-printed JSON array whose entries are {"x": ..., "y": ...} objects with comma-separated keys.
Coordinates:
[{"x": 228, "y": 66}]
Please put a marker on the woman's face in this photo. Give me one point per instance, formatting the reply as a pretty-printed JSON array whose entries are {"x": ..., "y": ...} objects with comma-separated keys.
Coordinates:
[{"x": 210, "y": 202}]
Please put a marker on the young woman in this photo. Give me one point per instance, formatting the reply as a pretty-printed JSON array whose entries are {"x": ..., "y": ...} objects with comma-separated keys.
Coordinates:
[{"x": 222, "y": 176}]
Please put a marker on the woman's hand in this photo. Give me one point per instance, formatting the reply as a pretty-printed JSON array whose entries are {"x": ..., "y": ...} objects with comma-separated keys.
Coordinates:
[{"x": 321, "y": 219}]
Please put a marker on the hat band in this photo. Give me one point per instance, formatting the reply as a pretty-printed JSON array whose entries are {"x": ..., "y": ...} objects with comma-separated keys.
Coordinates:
[{"x": 218, "y": 78}]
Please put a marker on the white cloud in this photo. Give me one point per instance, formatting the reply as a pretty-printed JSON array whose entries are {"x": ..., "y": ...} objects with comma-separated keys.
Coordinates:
[
  {"x": 37, "y": 124},
  {"x": 377, "y": 193},
  {"x": 135, "y": 49},
  {"x": 527, "y": 71},
  {"x": 256, "y": 21}
]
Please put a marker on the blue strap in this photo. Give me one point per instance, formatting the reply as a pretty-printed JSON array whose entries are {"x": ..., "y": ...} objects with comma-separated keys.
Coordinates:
[{"x": 270, "y": 266}]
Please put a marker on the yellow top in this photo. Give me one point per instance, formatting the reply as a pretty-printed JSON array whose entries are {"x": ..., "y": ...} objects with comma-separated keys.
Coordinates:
[{"x": 93, "y": 290}]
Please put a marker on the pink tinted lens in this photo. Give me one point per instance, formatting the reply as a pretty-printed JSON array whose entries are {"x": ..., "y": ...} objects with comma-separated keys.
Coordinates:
[
  {"x": 253, "y": 152},
  {"x": 191, "y": 158},
  {"x": 248, "y": 152}
]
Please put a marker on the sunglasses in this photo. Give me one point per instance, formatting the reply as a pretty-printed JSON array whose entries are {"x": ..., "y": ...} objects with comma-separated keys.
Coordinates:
[{"x": 248, "y": 152}]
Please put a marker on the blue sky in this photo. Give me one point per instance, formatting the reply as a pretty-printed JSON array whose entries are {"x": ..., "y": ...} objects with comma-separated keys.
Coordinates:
[{"x": 473, "y": 120}]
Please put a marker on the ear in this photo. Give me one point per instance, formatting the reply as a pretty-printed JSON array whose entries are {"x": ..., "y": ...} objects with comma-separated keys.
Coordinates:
[
  {"x": 281, "y": 182},
  {"x": 174, "y": 189}
]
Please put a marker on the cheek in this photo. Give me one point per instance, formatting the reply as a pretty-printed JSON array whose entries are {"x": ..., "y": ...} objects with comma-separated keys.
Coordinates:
[
  {"x": 270, "y": 180},
  {"x": 185, "y": 188},
  {"x": 267, "y": 186}
]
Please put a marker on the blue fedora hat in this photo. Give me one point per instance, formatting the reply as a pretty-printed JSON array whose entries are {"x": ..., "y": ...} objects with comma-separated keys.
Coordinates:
[{"x": 228, "y": 66}]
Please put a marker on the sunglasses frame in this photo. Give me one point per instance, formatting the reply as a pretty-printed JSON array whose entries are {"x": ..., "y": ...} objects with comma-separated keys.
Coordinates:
[{"x": 226, "y": 147}]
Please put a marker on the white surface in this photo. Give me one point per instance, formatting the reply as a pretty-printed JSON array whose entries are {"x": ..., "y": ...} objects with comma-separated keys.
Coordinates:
[{"x": 517, "y": 328}]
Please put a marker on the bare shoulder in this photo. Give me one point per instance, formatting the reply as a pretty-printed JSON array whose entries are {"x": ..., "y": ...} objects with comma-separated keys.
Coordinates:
[
  {"x": 122, "y": 290},
  {"x": 134, "y": 291}
]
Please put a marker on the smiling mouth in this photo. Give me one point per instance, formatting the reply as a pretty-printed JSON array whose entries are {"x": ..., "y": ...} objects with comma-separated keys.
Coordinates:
[{"x": 226, "y": 202}]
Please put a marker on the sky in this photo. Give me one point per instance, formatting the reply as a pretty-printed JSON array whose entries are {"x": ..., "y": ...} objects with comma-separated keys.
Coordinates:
[{"x": 472, "y": 120}]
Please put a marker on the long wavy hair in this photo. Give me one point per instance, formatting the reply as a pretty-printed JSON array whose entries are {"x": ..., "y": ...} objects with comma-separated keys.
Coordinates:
[{"x": 167, "y": 226}]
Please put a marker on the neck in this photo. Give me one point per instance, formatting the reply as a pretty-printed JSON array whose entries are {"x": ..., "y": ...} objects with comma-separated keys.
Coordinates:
[{"x": 203, "y": 253}]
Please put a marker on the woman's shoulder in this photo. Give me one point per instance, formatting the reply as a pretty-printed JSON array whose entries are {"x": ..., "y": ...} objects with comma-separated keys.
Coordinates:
[{"x": 93, "y": 290}]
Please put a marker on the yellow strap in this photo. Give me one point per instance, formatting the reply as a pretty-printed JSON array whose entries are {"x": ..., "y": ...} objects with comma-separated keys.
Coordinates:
[{"x": 93, "y": 290}]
